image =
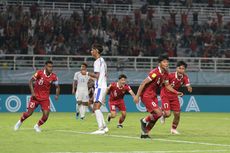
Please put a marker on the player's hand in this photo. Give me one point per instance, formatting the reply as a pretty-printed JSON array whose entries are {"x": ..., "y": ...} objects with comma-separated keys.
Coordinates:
[
  {"x": 34, "y": 96},
  {"x": 56, "y": 97},
  {"x": 136, "y": 99},
  {"x": 180, "y": 94},
  {"x": 189, "y": 89}
]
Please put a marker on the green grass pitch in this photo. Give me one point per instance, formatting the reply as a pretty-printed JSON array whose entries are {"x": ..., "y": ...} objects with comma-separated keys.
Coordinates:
[{"x": 200, "y": 132}]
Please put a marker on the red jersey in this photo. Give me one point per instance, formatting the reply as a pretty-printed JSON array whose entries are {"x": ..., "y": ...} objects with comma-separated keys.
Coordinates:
[
  {"x": 176, "y": 82},
  {"x": 42, "y": 84},
  {"x": 158, "y": 79},
  {"x": 117, "y": 93}
]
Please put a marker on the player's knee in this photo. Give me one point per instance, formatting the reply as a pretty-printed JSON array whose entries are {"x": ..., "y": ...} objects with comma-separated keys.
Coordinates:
[
  {"x": 167, "y": 114},
  {"x": 113, "y": 115}
]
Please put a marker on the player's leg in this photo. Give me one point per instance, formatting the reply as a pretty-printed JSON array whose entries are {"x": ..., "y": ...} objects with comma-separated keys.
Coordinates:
[
  {"x": 84, "y": 107},
  {"x": 175, "y": 106},
  {"x": 77, "y": 104},
  {"x": 98, "y": 99},
  {"x": 121, "y": 106},
  {"x": 112, "y": 114},
  {"x": 165, "y": 106},
  {"x": 84, "y": 104},
  {"x": 44, "y": 118},
  {"x": 31, "y": 107}
]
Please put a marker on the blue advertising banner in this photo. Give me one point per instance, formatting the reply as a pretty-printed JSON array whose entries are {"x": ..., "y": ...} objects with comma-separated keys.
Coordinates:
[{"x": 66, "y": 103}]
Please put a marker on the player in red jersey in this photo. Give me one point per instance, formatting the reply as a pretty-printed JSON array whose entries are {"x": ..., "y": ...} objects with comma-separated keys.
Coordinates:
[
  {"x": 40, "y": 85},
  {"x": 116, "y": 99},
  {"x": 147, "y": 91},
  {"x": 169, "y": 100}
]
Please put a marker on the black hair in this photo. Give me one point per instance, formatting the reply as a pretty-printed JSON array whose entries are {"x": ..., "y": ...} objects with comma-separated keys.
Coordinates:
[
  {"x": 122, "y": 76},
  {"x": 98, "y": 47},
  {"x": 162, "y": 57},
  {"x": 48, "y": 62},
  {"x": 84, "y": 64},
  {"x": 181, "y": 63}
]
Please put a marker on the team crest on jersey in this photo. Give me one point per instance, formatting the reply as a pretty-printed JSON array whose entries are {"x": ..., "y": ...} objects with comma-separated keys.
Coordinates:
[{"x": 154, "y": 75}]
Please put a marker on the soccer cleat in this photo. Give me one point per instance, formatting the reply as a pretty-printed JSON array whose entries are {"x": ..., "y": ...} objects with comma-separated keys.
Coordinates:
[
  {"x": 77, "y": 115},
  {"x": 17, "y": 125},
  {"x": 162, "y": 119},
  {"x": 145, "y": 136},
  {"x": 174, "y": 131},
  {"x": 82, "y": 118},
  {"x": 143, "y": 126},
  {"x": 98, "y": 132},
  {"x": 106, "y": 129},
  {"x": 108, "y": 118},
  {"x": 119, "y": 126},
  {"x": 37, "y": 128}
]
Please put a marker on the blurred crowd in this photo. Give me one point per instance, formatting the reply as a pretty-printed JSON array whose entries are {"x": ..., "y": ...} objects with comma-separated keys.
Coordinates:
[{"x": 140, "y": 34}]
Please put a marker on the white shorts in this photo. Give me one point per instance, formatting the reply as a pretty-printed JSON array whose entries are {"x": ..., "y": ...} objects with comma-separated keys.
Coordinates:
[
  {"x": 82, "y": 96},
  {"x": 99, "y": 95}
]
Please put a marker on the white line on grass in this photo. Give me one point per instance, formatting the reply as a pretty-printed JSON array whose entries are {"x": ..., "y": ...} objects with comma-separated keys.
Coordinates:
[
  {"x": 157, "y": 139},
  {"x": 167, "y": 151}
]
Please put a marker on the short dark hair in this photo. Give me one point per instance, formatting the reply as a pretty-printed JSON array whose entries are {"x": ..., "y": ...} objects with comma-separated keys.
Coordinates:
[
  {"x": 48, "y": 62},
  {"x": 122, "y": 76},
  {"x": 162, "y": 57},
  {"x": 181, "y": 63},
  {"x": 99, "y": 47},
  {"x": 84, "y": 64}
]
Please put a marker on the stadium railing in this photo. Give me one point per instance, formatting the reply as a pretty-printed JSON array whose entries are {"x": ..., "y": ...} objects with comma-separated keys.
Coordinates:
[
  {"x": 115, "y": 63},
  {"x": 66, "y": 8}
]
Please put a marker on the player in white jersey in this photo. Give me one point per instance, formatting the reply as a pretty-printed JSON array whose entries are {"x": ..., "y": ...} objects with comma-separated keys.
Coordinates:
[
  {"x": 100, "y": 75},
  {"x": 80, "y": 89}
]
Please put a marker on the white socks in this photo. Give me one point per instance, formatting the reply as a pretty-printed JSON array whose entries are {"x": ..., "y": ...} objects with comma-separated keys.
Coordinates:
[
  {"x": 82, "y": 110},
  {"x": 100, "y": 119}
]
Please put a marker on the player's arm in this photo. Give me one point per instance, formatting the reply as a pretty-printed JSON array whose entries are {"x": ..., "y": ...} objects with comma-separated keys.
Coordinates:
[
  {"x": 189, "y": 88},
  {"x": 132, "y": 94},
  {"x": 108, "y": 89},
  {"x": 93, "y": 74},
  {"x": 57, "y": 89},
  {"x": 74, "y": 86},
  {"x": 187, "y": 84},
  {"x": 31, "y": 82},
  {"x": 170, "y": 88},
  {"x": 141, "y": 88}
]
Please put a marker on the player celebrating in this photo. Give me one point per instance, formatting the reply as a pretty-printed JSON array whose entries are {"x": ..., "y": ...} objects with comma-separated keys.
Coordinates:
[
  {"x": 147, "y": 91},
  {"x": 40, "y": 85},
  {"x": 100, "y": 75},
  {"x": 117, "y": 91},
  {"x": 80, "y": 89},
  {"x": 169, "y": 100}
]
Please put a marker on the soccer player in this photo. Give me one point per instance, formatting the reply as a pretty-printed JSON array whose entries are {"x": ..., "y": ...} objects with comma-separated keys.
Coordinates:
[
  {"x": 40, "y": 85},
  {"x": 80, "y": 89},
  {"x": 117, "y": 91},
  {"x": 170, "y": 100},
  {"x": 100, "y": 75},
  {"x": 91, "y": 93},
  {"x": 147, "y": 91}
]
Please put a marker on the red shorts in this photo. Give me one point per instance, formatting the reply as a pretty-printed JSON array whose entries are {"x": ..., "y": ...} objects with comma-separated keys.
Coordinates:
[
  {"x": 120, "y": 104},
  {"x": 45, "y": 104},
  {"x": 150, "y": 102},
  {"x": 170, "y": 103}
]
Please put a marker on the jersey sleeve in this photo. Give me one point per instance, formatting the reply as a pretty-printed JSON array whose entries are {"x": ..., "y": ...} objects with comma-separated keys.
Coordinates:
[
  {"x": 128, "y": 88},
  {"x": 37, "y": 75},
  {"x": 152, "y": 75},
  {"x": 186, "y": 81},
  {"x": 75, "y": 76},
  {"x": 55, "y": 80},
  {"x": 96, "y": 66}
]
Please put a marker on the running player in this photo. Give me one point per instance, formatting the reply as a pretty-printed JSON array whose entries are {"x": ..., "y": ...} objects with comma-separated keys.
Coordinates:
[
  {"x": 147, "y": 91},
  {"x": 100, "y": 75},
  {"x": 116, "y": 99},
  {"x": 40, "y": 85},
  {"x": 169, "y": 100},
  {"x": 80, "y": 89}
]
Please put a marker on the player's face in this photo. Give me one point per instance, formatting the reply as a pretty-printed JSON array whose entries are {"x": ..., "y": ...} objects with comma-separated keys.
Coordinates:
[
  {"x": 49, "y": 68},
  {"x": 94, "y": 52},
  {"x": 164, "y": 64},
  {"x": 122, "y": 81},
  {"x": 180, "y": 69},
  {"x": 83, "y": 67}
]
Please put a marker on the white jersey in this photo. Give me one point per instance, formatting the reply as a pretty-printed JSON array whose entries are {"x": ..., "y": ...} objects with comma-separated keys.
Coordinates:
[
  {"x": 82, "y": 81},
  {"x": 101, "y": 67}
]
